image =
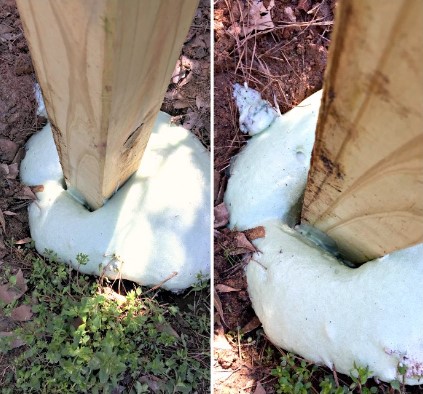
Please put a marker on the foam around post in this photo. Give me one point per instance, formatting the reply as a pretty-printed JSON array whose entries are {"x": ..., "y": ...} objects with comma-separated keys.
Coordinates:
[
  {"x": 307, "y": 300},
  {"x": 270, "y": 173},
  {"x": 309, "y": 303},
  {"x": 156, "y": 226}
]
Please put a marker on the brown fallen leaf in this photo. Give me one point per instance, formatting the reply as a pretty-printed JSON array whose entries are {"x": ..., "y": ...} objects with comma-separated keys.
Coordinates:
[
  {"x": 13, "y": 171},
  {"x": 77, "y": 321},
  {"x": 15, "y": 342},
  {"x": 190, "y": 120},
  {"x": 259, "y": 17},
  {"x": 154, "y": 384},
  {"x": 21, "y": 282},
  {"x": 27, "y": 194},
  {"x": 111, "y": 294},
  {"x": 221, "y": 288},
  {"x": 6, "y": 295},
  {"x": 37, "y": 188},
  {"x": 220, "y": 342},
  {"x": 10, "y": 293},
  {"x": 256, "y": 232},
  {"x": 218, "y": 306},
  {"x": 180, "y": 104},
  {"x": 4, "y": 169},
  {"x": 5, "y": 29},
  {"x": 290, "y": 14},
  {"x": 259, "y": 389},
  {"x": 21, "y": 313},
  {"x": 168, "y": 329},
  {"x": 303, "y": 5},
  {"x": 202, "y": 102},
  {"x": 24, "y": 241},
  {"x": 9, "y": 213},
  {"x": 251, "y": 325},
  {"x": 242, "y": 242},
  {"x": 221, "y": 215}
]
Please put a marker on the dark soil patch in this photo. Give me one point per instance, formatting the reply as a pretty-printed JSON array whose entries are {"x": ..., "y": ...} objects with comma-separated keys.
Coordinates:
[{"x": 18, "y": 121}]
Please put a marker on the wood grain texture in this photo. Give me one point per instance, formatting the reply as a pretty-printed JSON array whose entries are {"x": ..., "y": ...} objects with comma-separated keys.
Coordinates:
[
  {"x": 103, "y": 67},
  {"x": 365, "y": 185}
]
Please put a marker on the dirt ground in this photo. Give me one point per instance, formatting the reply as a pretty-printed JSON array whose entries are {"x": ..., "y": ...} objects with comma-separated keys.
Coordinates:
[
  {"x": 187, "y": 99},
  {"x": 18, "y": 121}
]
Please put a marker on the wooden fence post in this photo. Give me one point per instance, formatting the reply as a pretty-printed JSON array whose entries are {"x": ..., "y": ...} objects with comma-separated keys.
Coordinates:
[
  {"x": 103, "y": 67},
  {"x": 365, "y": 185}
]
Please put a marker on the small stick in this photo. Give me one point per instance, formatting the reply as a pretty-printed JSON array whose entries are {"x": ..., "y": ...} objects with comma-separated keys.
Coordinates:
[
  {"x": 239, "y": 343},
  {"x": 172, "y": 275},
  {"x": 335, "y": 376}
]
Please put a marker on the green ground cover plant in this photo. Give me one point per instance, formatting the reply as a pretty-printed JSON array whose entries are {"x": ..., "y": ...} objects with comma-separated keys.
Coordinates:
[{"x": 84, "y": 336}]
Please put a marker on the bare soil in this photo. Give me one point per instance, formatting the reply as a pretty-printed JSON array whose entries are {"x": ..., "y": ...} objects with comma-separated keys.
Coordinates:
[{"x": 187, "y": 100}]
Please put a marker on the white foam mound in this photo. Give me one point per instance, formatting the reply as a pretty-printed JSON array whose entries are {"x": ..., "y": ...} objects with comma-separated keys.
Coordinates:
[
  {"x": 307, "y": 301},
  {"x": 269, "y": 175},
  {"x": 337, "y": 316},
  {"x": 156, "y": 225}
]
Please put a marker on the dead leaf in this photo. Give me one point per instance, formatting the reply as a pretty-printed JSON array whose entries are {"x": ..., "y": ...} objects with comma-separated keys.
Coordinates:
[
  {"x": 168, "y": 329},
  {"x": 221, "y": 215},
  {"x": 201, "y": 102},
  {"x": 235, "y": 29},
  {"x": 27, "y": 194},
  {"x": 190, "y": 120},
  {"x": 179, "y": 72},
  {"x": 180, "y": 104},
  {"x": 220, "y": 342},
  {"x": 13, "y": 171},
  {"x": 242, "y": 242},
  {"x": 77, "y": 321},
  {"x": 154, "y": 384},
  {"x": 221, "y": 288},
  {"x": 6, "y": 295},
  {"x": 16, "y": 342},
  {"x": 256, "y": 232},
  {"x": 259, "y": 17},
  {"x": 37, "y": 188},
  {"x": 21, "y": 282},
  {"x": 10, "y": 213},
  {"x": 304, "y": 5},
  {"x": 290, "y": 14},
  {"x": 10, "y": 293},
  {"x": 199, "y": 42},
  {"x": 21, "y": 313},
  {"x": 5, "y": 28},
  {"x": 4, "y": 169},
  {"x": 2, "y": 222},
  {"x": 111, "y": 294},
  {"x": 251, "y": 325},
  {"x": 218, "y": 306},
  {"x": 174, "y": 95},
  {"x": 24, "y": 241},
  {"x": 259, "y": 389},
  {"x": 182, "y": 72}
]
